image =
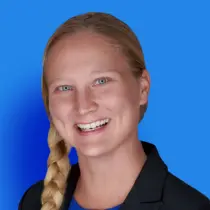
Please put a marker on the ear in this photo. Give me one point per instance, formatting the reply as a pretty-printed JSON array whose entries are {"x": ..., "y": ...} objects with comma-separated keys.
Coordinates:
[{"x": 144, "y": 87}]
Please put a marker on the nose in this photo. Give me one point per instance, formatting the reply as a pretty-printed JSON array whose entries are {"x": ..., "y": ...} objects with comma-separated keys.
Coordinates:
[{"x": 85, "y": 102}]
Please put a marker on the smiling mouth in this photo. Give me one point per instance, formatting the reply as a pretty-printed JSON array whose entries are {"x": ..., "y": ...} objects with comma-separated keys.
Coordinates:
[{"x": 93, "y": 126}]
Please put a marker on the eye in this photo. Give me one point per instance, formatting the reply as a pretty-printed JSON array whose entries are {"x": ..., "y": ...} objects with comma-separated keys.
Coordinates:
[
  {"x": 64, "y": 88},
  {"x": 101, "y": 81}
]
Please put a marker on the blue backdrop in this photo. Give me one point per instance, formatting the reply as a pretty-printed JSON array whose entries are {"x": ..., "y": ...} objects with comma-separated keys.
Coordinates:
[{"x": 175, "y": 39}]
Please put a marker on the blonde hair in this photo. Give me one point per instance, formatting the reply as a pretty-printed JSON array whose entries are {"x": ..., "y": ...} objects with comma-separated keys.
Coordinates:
[{"x": 118, "y": 32}]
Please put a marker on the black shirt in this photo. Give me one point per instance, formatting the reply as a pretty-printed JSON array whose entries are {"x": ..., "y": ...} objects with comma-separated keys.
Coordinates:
[{"x": 154, "y": 189}]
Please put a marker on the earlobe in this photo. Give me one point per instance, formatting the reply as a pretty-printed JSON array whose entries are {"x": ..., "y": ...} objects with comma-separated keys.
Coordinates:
[{"x": 144, "y": 85}]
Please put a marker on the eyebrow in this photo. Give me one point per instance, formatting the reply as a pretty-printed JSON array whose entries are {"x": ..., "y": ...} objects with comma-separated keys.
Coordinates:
[
  {"x": 104, "y": 71},
  {"x": 54, "y": 81},
  {"x": 114, "y": 71}
]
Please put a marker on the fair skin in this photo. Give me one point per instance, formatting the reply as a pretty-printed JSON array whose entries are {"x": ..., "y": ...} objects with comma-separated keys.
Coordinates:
[{"x": 89, "y": 79}]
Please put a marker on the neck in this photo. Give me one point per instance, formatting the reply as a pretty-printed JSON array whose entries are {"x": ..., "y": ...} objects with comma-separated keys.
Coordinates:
[{"x": 101, "y": 178}]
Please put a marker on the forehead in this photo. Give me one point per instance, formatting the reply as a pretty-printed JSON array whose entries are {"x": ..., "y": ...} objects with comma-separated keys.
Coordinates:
[{"x": 84, "y": 51}]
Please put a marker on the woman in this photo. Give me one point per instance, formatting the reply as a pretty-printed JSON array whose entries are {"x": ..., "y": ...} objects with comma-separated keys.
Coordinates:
[{"x": 95, "y": 90}]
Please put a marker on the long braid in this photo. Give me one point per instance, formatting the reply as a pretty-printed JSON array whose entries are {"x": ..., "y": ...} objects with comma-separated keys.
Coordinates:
[{"x": 58, "y": 169}]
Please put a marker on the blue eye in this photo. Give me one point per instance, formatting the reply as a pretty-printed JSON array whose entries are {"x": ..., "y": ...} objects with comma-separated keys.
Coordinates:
[
  {"x": 64, "y": 88},
  {"x": 101, "y": 81}
]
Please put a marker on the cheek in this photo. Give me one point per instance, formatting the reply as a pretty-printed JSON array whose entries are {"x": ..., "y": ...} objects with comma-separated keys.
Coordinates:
[
  {"x": 122, "y": 102},
  {"x": 110, "y": 98},
  {"x": 60, "y": 108},
  {"x": 62, "y": 119},
  {"x": 118, "y": 97}
]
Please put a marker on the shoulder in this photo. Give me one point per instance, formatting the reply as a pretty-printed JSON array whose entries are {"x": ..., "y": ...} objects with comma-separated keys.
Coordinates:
[
  {"x": 32, "y": 197},
  {"x": 179, "y": 194}
]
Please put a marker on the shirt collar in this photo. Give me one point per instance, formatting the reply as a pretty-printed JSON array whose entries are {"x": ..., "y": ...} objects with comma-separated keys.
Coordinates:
[{"x": 149, "y": 184}]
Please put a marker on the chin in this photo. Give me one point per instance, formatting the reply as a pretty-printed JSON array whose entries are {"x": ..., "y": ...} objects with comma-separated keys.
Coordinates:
[{"x": 91, "y": 152}]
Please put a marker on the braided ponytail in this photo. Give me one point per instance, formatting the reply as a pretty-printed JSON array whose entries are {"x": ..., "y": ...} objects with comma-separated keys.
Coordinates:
[{"x": 58, "y": 169}]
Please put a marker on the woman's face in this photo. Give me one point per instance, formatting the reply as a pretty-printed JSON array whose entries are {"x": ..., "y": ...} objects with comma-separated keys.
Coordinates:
[{"x": 94, "y": 99}]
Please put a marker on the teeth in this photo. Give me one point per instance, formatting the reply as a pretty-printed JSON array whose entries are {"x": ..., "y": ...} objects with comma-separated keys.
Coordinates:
[
  {"x": 87, "y": 126},
  {"x": 92, "y": 125}
]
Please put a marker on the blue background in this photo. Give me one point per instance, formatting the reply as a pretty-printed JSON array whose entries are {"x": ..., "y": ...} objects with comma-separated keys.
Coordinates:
[{"x": 175, "y": 38}]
